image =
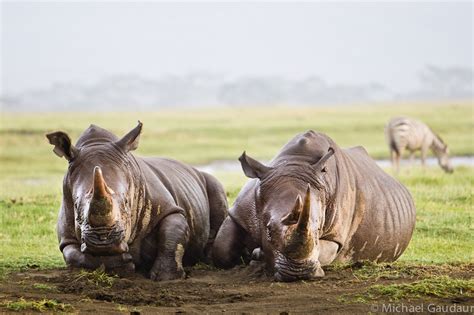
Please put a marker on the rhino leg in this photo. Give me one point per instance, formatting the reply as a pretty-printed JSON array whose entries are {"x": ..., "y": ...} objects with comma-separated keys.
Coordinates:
[
  {"x": 172, "y": 239},
  {"x": 229, "y": 244},
  {"x": 118, "y": 263},
  {"x": 75, "y": 258},
  {"x": 327, "y": 252},
  {"x": 217, "y": 209}
]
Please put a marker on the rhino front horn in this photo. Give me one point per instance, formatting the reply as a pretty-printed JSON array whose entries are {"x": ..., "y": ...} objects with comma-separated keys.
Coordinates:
[
  {"x": 100, "y": 187},
  {"x": 303, "y": 221},
  {"x": 299, "y": 241},
  {"x": 101, "y": 205}
]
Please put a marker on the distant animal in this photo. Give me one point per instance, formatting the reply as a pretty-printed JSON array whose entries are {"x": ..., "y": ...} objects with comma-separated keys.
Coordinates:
[
  {"x": 403, "y": 133},
  {"x": 123, "y": 211},
  {"x": 313, "y": 205}
]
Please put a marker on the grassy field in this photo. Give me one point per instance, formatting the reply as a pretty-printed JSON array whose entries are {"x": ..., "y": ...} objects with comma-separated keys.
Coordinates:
[
  {"x": 222, "y": 134},
  {"x": 31, "y": 175}
]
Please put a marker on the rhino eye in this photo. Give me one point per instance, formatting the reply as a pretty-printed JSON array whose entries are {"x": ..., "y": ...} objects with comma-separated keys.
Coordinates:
[
  {"x": 270, "y": 230},
  {"x": 77, "y": 202},
  {"x": 269, "y": 235}
]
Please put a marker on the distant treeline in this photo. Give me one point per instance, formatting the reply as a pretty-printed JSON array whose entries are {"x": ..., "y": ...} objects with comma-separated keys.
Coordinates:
[{"x": 132, "y": 92}]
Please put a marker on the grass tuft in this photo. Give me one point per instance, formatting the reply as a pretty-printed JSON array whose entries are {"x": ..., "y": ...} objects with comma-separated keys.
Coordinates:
[
  {"x": 98, "y": 277},
  {"x": 44, "y": 305},
  {"x": 44, "y": 287},
  {"x": 374, "y": 271}
]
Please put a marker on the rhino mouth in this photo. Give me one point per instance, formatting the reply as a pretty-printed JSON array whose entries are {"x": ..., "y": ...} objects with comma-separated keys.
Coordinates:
[
  {"x": 287, "y": 269},
  {"x": 103, "y": 240}
]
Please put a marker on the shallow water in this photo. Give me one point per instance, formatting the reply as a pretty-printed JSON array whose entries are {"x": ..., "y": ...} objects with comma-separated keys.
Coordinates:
[{"x": 234, "y": 166}]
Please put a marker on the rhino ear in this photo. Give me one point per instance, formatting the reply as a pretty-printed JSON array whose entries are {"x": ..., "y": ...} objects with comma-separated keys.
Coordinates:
[
  {"x": 62, "y": 145},
  {"x": 253, "y": 168},
  {"x": 129, "y": 142},
  {"x": 319, "y": 165}
]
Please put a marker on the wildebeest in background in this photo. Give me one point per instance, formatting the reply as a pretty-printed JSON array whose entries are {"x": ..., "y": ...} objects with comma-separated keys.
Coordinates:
[
  {"x": 313, "y": 205},
  {"x": 404, "y": 133},
  {"x": 124, "y": 211}
]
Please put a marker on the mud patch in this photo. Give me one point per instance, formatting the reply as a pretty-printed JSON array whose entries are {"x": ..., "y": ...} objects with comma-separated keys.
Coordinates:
[{"x": 242, "y": 289}]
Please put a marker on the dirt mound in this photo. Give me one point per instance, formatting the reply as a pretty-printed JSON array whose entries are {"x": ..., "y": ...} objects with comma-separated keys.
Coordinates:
[{"x": 242, "y": 289}]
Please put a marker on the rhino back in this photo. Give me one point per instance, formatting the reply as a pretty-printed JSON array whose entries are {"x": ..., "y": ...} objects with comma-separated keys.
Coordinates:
[{"x": 384, "y": 210}]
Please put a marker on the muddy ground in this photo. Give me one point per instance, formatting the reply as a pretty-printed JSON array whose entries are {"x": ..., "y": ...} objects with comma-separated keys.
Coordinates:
[{"x": 239, "y": 290}]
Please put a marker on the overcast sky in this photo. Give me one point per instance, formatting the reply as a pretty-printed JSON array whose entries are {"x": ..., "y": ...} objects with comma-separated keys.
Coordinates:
[{"x": 344, "y": 42}]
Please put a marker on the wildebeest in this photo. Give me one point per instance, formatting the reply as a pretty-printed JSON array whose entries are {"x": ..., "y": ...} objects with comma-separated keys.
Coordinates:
[
  {"x": 124, "y": 211},
  {"x": 315, "y": 204},
  {"x": 404, "y": 133}
]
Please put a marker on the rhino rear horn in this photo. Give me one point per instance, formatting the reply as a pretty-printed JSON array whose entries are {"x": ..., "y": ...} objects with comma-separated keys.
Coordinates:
[
  {"x": 129, "y": 142},
  {"x": 319, "y": 165},
  {"x": 292, "y": 217}
]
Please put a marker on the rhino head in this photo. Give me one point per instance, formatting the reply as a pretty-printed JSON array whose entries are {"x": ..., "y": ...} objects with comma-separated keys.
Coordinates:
[
  {"x": 290, "y": 203},
  {"x": 100, "y": 188}
]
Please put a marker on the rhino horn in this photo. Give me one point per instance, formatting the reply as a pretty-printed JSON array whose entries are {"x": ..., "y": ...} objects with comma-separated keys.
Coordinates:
[
  {"x": 319, "y": 165},
  {"x": 101, "y": 205},
  {"x": 300, "y": 242},
  {"x": 303, "y": 221},
  {"x": 292, "y": 217}
]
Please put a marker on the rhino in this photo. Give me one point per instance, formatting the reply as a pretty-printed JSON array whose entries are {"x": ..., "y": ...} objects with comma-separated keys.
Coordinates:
[
  {"x": 315, "y": 204},
  {"x": 129, "y": 213}
]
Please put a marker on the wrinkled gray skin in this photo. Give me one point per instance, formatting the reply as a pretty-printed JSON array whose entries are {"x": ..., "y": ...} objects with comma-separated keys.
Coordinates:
[
  {"x": 313, "y": 205},
  {"x": 125, "y": 212}
]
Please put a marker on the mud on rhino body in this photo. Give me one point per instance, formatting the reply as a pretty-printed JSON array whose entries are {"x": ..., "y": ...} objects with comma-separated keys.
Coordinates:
[
  {"x": 125, "y": 212},
  {"x": 313, "y": 205}
]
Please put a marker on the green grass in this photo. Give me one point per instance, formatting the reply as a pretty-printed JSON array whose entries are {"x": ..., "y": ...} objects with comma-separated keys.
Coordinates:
[
  {"x": 443, "y": 287},
  {"x": 44, "y": 287},
  {"x": 445, "y": 217},
  {"x": 371, "y": 271},
  {"x": 31, "y": 175},
  {"x": 222, "y": 134},
  {"x": 97, "y": 277},
  {"x": 44, "y": 305},
  {"x": 28, "y": 217},
  {"x": 375, "y": 271}
]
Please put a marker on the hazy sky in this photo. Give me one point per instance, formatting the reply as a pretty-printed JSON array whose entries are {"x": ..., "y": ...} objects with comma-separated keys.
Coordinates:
[{"x": 345, "y": 42}]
